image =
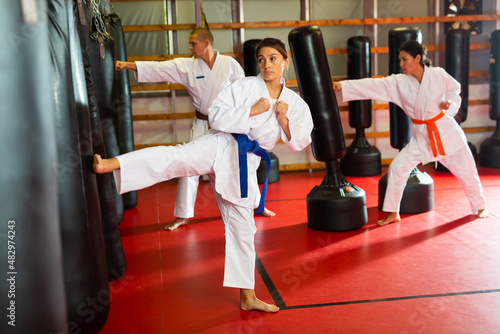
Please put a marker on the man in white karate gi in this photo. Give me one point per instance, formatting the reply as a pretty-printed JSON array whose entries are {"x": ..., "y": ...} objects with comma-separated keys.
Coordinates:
[{"x": 204, "y": 75}]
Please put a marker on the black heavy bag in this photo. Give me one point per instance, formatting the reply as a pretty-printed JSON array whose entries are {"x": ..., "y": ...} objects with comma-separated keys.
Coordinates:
[
  {"x": 418, "y": 194},
  {"x": 335, "y": 205},
  {"x": 250, "y": 64},
  {"x": 115, "y": 257},
  {"x": 489, "y": 151},
  {"x": 103, "y": 73},
  {"x": 361, "y": 159},
  {"x": 252, "y": 69},
  {"x": 457, "y": 65},
  {"x": 31, "y": 279},
  {"x": 122, "y": 106},
  {"x": 84, "y": 259},
  {"x": 399, "y": 122}
]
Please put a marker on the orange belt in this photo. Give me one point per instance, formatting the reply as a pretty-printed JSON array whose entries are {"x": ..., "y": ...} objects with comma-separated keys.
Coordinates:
[{"x": 433, "y": 133}]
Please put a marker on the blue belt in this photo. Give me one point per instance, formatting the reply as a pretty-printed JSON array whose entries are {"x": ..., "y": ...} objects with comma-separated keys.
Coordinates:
[{"x": 246, "y": 145}]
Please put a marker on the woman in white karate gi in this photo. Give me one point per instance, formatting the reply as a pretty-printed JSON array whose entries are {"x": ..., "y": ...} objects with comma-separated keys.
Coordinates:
[
  {"x": 431, "y": 98},
  {"x": 263, "y": 109}
]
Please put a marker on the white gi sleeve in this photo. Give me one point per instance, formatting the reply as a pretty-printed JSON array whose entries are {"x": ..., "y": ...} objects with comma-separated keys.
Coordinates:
[
  {"x": 175, "y": 70},
  {"x": 377, "y": 89}
]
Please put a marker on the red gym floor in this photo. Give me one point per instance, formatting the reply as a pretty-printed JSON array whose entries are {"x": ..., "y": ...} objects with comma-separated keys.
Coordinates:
[{"x": 435, "y": 272}]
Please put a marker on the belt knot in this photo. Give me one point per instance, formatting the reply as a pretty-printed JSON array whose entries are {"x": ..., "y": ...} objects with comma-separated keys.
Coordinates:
[{"x": 433, "y": 133}]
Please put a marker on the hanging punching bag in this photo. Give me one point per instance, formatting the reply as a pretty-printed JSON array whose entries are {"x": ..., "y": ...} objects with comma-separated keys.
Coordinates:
[
  {"x": 335, "y": 205},
  {"x": 83, "y": 255},
  {"x": 252, "y": 69},
  {"x": 103, "y": 73},
  {"x": 489, "y": 151},
  {"x": 115, "y": 257},
  {"x": 31, "y": 279},
  {"x": 457, "y": 65},
  {"x": 418, "y": 194},
  {"x": 122, "y": 106},
  {"x": 361, "y": 159}
]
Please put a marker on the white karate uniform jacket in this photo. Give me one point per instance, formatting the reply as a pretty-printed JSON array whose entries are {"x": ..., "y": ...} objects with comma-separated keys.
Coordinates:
[
  {"x": 418, "y": 101},
  {"x": 230, "y": 113}
]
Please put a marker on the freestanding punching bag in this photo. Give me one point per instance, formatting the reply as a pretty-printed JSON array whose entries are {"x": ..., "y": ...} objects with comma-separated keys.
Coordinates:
[
  {"x": 489, "y": 151},
  {"x": 83, "y": 249},
  {"x": 103, "y": 72},
  {"x": 31, "y": 279},
  {"x": 122, "y": 106},
  {"x": 115, "y": 257},
  {"x": 361, "y": 159},
  {"x": 250, "y": 64},
  {"x": 252, "y": 69},
  {"x": 335, "y": 205},
  {"x": 418, "y": 195},
  {"x": 457, "y": 65}
]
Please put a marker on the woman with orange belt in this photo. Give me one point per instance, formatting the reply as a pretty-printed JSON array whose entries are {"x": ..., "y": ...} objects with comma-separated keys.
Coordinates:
[{"x": 431, "y": 98}]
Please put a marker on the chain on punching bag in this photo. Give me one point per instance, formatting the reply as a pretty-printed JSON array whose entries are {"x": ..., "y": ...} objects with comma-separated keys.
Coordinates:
[
  {"x": 115, "y": 257},
  {"x": 361, "y": 159},
  {"x": 101, "y": 49},
  {"x": 123, "y": 104},
  {"x": 335, "y": 205},
  {"x": 84, "y": 259},
  {"x": 31, "y": 279}
]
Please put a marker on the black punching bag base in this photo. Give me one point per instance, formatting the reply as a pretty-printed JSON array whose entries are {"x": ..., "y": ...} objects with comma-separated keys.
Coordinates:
[
  {"x": 361, "y": 161},
  {"x": 418, "y": 195},
  {"x": 274, "y": 172},
  {"x": 489, "y": 153},
  {"x": 473, "y": 150},
  {"x": 336, "y": 209}
]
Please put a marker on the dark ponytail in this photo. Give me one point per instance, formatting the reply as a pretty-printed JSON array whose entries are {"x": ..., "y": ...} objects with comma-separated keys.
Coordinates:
[{"x": 414, "y": 48}]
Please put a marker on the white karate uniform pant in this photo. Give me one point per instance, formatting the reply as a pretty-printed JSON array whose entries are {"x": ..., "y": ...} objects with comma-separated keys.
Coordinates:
[
  {"x": 461, "y": 164},
  {"x": 187, "y": 187},
  {"x": 146, "y": 167}
]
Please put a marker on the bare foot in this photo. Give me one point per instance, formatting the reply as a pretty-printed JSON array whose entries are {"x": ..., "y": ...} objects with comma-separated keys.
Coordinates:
[
  {"x": 268, "y": 213},
  {"x": 101, "y": 166},
  {"x": 393, "y": 217},
  {"x": 176, "y": 223},
  {"x": 483, "y": 213},
  {"x": 249, "y": 302}
]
